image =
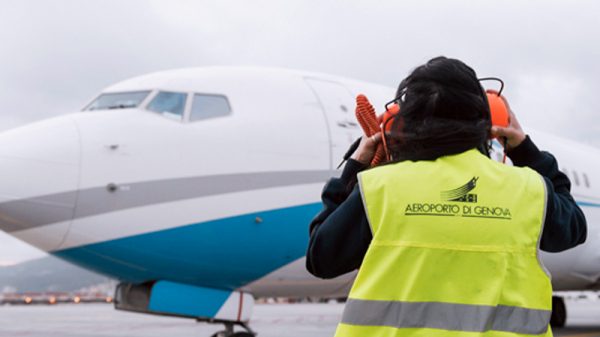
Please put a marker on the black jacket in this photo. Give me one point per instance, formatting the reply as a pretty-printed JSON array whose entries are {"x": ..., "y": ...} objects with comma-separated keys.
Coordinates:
[{"x": 340, "y": 234}]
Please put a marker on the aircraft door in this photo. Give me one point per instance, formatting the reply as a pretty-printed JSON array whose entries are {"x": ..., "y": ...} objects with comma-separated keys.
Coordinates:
[{"x": 338, "y": 104}]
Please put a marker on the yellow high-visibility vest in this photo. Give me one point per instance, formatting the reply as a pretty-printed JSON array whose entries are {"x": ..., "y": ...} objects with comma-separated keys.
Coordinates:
[{"x": 454, "y": 251}]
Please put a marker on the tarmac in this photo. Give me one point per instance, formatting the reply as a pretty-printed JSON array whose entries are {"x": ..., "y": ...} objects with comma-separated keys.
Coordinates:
[{"x": 269, "y": 320}]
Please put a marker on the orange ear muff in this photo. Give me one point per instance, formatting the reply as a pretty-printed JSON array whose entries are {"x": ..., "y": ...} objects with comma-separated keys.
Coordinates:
[
  {"x": 392, "y": 111},
  {"x": 498, "y": 110}
]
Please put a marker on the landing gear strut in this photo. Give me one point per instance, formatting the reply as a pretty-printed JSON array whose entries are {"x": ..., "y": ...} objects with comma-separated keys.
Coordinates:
[
  {"x": 559, "y": 312},
  {"x": 229, "y": 331}
]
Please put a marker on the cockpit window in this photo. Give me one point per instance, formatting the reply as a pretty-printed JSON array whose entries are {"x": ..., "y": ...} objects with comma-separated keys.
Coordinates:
[
  {"x": 118, "y": 100},
  {"x": 209, "y": 106},
  {"x": 170, "y": 104}
]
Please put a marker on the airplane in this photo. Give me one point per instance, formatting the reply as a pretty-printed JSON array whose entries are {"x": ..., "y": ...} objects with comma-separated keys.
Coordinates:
[{"x": 195, "y": 187}]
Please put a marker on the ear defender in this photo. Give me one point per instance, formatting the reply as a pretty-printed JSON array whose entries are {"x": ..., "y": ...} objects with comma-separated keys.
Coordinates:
[
  {"x": 498, "y": 110},
  {"x": 372, "y": 123}
]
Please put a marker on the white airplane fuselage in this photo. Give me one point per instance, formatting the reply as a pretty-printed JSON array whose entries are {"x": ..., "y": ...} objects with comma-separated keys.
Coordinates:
[{"x": 220, "y": 202}]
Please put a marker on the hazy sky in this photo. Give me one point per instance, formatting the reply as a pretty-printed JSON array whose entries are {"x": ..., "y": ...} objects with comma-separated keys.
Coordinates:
[{"x": 56, "y": 55}]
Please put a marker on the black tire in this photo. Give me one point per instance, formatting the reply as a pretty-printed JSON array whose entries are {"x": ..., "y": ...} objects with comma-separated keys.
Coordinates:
[
  {"x": 559, "y": 312},
  {"x": 242, "y": 334},
  {"x": 236, "y": 334}
]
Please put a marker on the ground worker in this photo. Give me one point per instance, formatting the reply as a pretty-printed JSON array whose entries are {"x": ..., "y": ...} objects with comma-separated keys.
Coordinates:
[{"x": 446, "y": 240}]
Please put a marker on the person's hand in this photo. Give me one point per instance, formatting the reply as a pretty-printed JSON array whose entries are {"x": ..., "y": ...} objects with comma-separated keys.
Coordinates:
[
  {"x": 513, "y": 133},
  {"x": 366, "y": 149}
]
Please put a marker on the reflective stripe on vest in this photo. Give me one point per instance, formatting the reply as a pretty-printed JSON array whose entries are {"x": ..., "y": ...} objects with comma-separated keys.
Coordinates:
[
  {"x": 454, "y": 251},
  {"x": 447, "y": 316}
]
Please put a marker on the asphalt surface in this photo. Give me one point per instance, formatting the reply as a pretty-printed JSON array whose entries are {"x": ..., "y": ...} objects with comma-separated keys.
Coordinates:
[{"x": 270, "y": 320}]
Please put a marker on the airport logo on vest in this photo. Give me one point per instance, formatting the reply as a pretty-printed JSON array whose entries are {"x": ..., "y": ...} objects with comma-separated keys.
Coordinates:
[
  {"x": 462, "y": 194},
  {"x": 459, "y": 202}
]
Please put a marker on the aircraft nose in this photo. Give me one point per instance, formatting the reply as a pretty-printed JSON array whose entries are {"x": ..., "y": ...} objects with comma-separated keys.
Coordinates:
[{"x": 39, "y": 176}]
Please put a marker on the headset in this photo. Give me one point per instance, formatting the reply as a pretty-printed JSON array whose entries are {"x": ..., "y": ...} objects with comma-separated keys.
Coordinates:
[{"x": 371, "y": 123}]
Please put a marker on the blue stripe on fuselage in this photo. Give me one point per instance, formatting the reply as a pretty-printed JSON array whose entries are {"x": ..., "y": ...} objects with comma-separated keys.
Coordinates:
[
  {"x": 225, "y": 253},
  {"x": 587, "y": 204}
]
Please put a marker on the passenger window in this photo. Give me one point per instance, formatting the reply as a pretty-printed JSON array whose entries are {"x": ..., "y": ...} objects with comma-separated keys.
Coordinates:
[
  {"x": 586, "y": 181},
  {"x": 576, "y": 178},
  {"x": 169, "y": 104},
  {"x": 209, "y": 106}
]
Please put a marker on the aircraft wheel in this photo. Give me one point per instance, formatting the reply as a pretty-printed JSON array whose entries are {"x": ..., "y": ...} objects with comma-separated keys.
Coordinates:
[
  {"x": 236, "y": 334},
  {"x": 559, "y": 312},
  {"x": 220, "y": 334},
  {"x": 242, "y": 334}
]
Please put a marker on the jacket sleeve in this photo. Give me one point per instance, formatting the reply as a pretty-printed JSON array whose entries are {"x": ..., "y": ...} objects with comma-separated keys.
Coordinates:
[
  {"x": 340, "y": 233},
  {"x": 565, "y": 225}
]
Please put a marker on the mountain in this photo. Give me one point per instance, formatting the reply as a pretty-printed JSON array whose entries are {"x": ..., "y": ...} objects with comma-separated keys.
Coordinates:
[{"x": 48, "y": 274}]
